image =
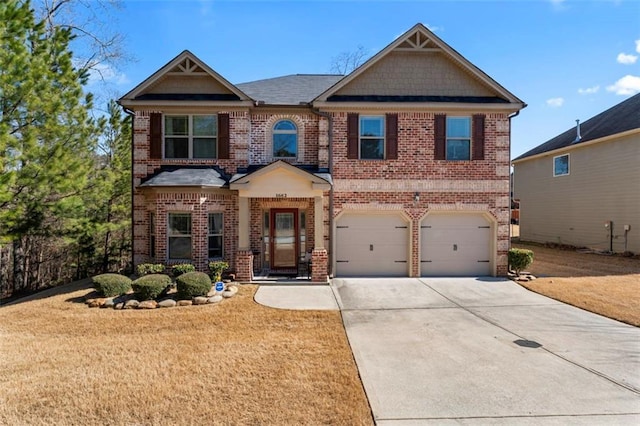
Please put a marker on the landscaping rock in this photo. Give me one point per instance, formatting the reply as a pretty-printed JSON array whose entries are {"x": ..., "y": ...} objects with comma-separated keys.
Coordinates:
[
  {"x": 118, "y": 306},
  {"x": 109, "y": 303},
  {"x": 200, "y": 300},
  {"x": 227, "y": 294},
  {"x": 184, "y": 302},
  {"x": 233, "y": 288},
  {"x": 131, "y": 304},
  {"x": 95, "y": 303},
  {"x": 212, "y": 292},
  {"x": 148, "y": 304},
  {"x": 167, "y": 303},
  {"x": 215, "y": 299}
]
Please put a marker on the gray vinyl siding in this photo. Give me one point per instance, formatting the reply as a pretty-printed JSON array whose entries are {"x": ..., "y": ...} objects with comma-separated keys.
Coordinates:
[{"x": 603, "y": 185}]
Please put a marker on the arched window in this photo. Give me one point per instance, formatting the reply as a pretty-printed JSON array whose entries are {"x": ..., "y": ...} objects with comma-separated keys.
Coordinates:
[{"x": 285, "y": 139}]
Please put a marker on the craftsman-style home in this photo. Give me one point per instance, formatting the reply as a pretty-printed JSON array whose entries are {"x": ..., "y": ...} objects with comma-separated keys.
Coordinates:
[{"x": 400, "y": 168}]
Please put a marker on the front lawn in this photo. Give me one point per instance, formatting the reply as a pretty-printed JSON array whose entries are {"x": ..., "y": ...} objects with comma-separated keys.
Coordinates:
[
  {"x": 606, "y": 285},
  {"x": 236, "y": 363}
]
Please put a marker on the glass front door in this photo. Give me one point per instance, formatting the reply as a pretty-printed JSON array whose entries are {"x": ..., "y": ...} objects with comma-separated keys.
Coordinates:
[{"x": 284, "y": 238}]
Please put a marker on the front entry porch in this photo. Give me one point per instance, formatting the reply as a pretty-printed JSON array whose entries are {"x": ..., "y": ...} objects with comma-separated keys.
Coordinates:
[{"x": 282, "y": 233}]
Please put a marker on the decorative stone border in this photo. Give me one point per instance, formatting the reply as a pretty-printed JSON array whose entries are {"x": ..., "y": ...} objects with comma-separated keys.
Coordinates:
[{"x": 170, "y": 300}]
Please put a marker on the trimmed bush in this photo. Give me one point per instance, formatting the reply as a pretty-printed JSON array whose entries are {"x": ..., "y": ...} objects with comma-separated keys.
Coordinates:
[
  {"x": 149, "y": 268},
  {"x": 217, "y": 267},
  {"x": 182, "y": 268},
  {"x": 520, "y": 259},
  {"x": 193, "y": 284},
  {"x": 111, "y": 285},
  {"x": 151, "y": 286}
]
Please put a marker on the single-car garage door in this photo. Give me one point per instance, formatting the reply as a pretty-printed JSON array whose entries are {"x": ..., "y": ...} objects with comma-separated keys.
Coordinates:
[
  {"x": 455, "y": 244},
  {"x": 372, "y": 245}
]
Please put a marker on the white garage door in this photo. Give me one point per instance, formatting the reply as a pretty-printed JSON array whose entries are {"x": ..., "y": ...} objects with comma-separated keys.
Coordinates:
[
  {"x": 372, "y": 245},
  {"x": 455, "y": 245}
]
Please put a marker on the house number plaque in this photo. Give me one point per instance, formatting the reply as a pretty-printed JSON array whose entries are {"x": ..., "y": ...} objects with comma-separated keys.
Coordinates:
[{"x": 281, "y": 195}]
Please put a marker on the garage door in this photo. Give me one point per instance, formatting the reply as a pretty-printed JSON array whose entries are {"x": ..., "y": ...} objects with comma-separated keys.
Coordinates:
[
  {"x": 455, "y": 245},
  {"x": 372, "y": 245}
]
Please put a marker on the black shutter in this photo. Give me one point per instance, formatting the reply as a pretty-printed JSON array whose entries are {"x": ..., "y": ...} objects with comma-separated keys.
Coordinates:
[
  {"x": 391, "y": 142},
  {"x": 223, "y": 136},
  {"x": 352, "y": 136},
  {"x": 440, "y": 136},
  {"x": 478, "y": 137},
  {"x": 155, "y": 148}
]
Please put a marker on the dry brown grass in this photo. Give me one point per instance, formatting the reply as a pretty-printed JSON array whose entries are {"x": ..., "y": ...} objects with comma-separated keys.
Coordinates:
[
  {"x": 237, "y": 363},
  {"x": 606, "y": 285}
]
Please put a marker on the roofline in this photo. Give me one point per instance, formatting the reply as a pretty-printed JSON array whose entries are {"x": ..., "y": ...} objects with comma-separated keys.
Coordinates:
[
  {"x": 603, "y": 139},
  {"x": 132, "y": 104},
  {"x": 173, "y": 62},
  {"x": 435, "y": 106},
  {"x": 485, "y": 78}
]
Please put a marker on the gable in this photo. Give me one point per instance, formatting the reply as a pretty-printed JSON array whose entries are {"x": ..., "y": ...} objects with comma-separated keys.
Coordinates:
[
  {"x": 408, "y": 73},
  {"x": 185, "y": 78},
  {"x": 419, "y": 67}
]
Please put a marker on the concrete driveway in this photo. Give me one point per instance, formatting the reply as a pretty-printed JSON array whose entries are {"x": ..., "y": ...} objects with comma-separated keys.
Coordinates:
[{"x": 486, "y": 351}]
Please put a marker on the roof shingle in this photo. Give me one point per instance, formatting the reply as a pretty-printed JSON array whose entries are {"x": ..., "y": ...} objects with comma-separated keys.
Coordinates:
[{"x": 289, "y": 89}]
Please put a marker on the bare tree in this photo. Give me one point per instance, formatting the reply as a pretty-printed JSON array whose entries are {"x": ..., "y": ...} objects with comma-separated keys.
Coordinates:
[{"x": 346, "y": 62}]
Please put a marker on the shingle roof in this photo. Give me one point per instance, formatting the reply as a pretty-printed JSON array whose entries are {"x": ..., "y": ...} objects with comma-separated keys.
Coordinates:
[
  {"x": 187, "y": 176},
  {"x": 289, "y": 89},
  {"x": 617, "y": 119}
]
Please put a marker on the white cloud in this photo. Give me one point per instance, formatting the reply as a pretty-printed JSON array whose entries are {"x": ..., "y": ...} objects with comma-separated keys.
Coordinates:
[
  {"x": 625, "y": 59},
  {"x": 107, "y": 73},
  {"x": 627, "y": 85},
  {"x": 589, "y": 90},
  {"x": 435, "y": 28},
  {"x": 638, "y": 46},
  {"x": 555, "y": 102},
  {"x": 558, "y": 4}
]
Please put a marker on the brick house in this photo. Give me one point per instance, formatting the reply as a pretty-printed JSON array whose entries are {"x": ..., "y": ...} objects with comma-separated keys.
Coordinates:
[{"x": 400, "y": 168}]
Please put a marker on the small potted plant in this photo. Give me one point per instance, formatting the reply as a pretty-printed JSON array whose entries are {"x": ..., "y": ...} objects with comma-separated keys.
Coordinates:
[{"x": 217, "y": 267}]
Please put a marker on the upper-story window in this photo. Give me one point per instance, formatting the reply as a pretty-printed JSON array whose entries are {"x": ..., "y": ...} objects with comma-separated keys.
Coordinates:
[
  {"x": 371, "y": 138},
  {"x": 561, "y": 165},
  {"x": 190, "y": 136},
  {"x": 285, "y": 139},
  {"x": 458, "y": 138}
]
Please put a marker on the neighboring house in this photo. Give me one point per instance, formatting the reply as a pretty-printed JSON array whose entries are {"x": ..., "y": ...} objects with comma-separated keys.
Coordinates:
[
  {"x": 582, "y": 188},
  {"x": 400, "y": 168}
]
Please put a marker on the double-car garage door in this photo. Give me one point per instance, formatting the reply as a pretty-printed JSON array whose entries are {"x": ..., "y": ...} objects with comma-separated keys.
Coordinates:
[{"x": 375, "y": 244}]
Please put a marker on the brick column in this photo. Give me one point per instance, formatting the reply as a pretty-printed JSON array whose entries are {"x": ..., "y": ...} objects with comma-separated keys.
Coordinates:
[
  {"x": 319, "y": 265},
  {"x": 244, "y": 266}
]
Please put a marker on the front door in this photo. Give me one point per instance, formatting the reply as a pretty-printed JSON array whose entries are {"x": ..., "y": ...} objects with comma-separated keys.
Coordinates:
[{"x": 284, "y": 238}]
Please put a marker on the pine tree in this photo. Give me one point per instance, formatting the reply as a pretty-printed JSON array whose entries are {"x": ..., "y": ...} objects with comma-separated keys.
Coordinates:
[{"x": 47, "y": 138}]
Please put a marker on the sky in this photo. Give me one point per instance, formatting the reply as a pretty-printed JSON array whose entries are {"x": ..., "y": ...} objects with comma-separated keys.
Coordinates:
[{"x": 566, "y": 59}]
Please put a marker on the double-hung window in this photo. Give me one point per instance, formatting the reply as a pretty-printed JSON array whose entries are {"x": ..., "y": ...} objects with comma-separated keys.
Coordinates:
[
  {"x": 215, "y": 235},
  {"x": 285, "y": 139},
  {"x": 152, "y": 235},
  {"x": 179, "y": 236},
  {"x": 561, "y": 165},
  {"x": 371, "y": 138},
  {"x": 458, "y": 146},
  {"x": 190, "y": 136}
]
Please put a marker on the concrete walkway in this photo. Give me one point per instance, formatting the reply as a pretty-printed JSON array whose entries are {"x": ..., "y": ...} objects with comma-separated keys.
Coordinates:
[
  {"x": 487, "y": 351},
  {"x": 305, "y": 297}
]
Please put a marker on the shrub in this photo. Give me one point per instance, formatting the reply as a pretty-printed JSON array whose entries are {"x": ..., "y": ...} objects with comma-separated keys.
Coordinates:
[
  {"x": 182, "y": 268},
  {"x": 111, "y": 285},
  {"x": 151, "y": 286},
  {"x": 217, "y": 267},
  {"x": 520, "y": 259},
  {"x": 149, "y": 268},
  {"x": 193, "y": 284}
]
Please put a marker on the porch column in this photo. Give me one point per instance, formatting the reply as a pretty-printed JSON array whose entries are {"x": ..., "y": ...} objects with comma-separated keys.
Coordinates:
[
  {"x": 319, "y": 257},
  {"x": 244, "y": 257}
]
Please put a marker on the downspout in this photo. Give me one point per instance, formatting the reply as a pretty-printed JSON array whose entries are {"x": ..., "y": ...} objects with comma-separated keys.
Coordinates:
[
  {"x": 131, "y": 114},
  {"x": 329, "y": 117},
  {"x": 511, "y": 179}
]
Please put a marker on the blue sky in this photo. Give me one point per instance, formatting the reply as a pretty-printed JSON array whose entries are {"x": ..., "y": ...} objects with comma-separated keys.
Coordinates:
[{"x": 566, "y": 59}]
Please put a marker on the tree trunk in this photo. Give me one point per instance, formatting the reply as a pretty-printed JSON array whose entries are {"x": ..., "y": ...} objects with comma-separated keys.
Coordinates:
[{"x": 18, "y": 265}]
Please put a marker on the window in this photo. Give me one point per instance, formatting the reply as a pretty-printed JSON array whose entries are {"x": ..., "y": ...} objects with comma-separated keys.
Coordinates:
[
  {"x": 190, "y": 136},
  {"x": 214, "y": 235},
  {"x": 372, "y": 138},
  {"x": 285, "y": 139},
  {"x": 179, "y": 235},
  {"x": 458, "y": 147},
  {"x": 152, "y": 234},
  {"x": 561, "y": 165}
]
